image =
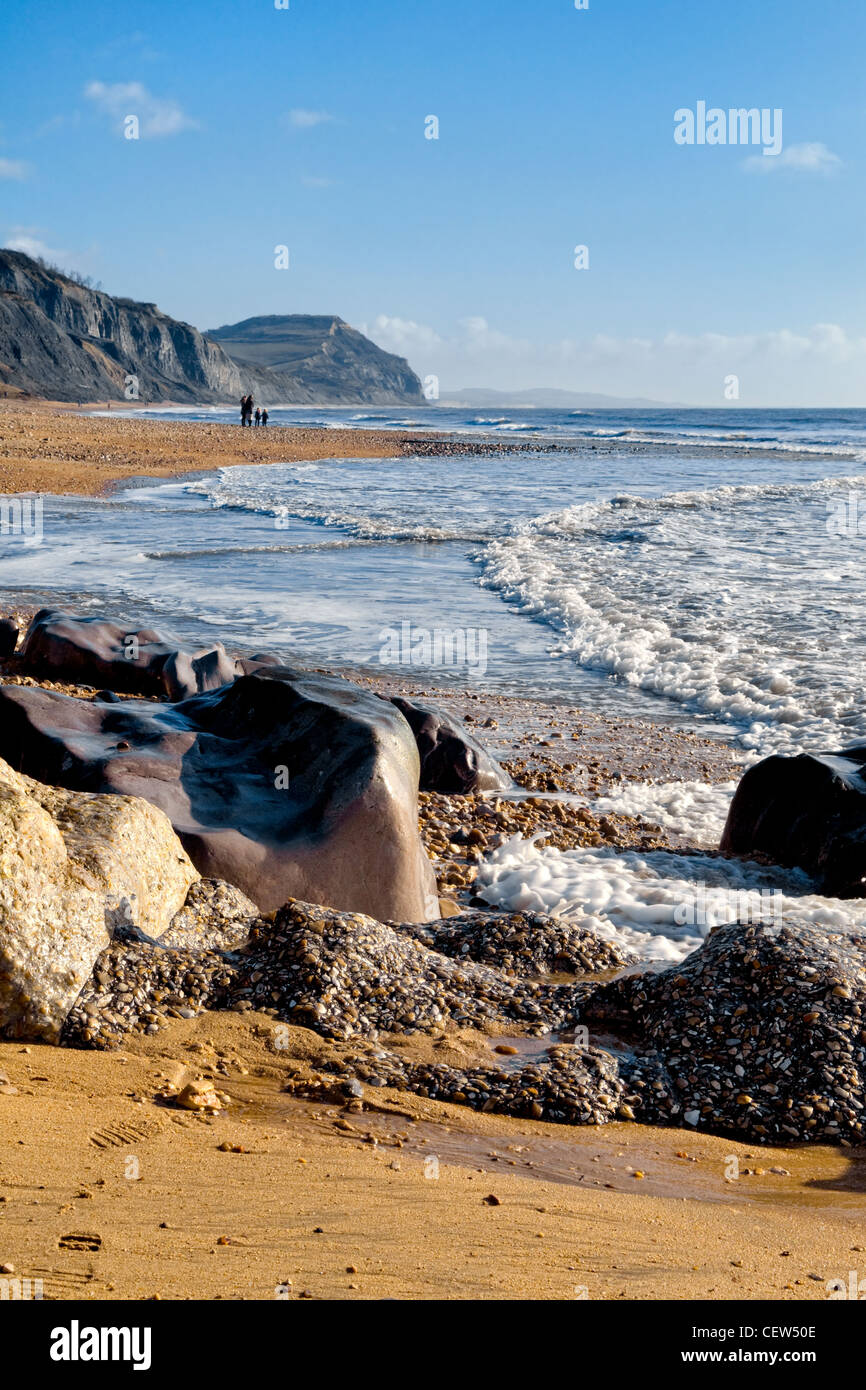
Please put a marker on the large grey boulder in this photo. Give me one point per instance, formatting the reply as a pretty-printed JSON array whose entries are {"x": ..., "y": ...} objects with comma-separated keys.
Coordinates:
[
  {"x": 285, "y": 783},
  {"x": 73, "y": 867}
]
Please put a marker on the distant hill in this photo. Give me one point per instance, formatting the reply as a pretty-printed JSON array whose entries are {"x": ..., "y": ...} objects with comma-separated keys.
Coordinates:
[
  {"x": 63, "y": 339},
  {"x": 545, "y": 397},
  {"x": 318, "y": 360}
]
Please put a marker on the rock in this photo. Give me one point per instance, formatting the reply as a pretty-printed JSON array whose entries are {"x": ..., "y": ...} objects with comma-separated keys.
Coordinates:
[
  {"x": 72, "y": 867},
  {"x": 345, "y": 975},
  {"x": 451, "y": 759},
  {"x": 807, "y": 812},
  {"x": 95, "y": 651},
  {"x": 215, "y": 917},
  {"x": 521, "y": 943},
  {"x": 750, "y": 1035},
  {"x": 198, "y": 1095},
  {"x": 284, "y": 784},
  {"x": 448, "y": 907},
  {"x": 8, "y": 637}
]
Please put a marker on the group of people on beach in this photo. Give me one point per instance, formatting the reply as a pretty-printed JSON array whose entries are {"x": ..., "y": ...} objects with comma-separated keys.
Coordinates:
[{"x": 261, "y": 416}]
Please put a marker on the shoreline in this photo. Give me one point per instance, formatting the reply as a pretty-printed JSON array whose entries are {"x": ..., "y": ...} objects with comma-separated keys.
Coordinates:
[
  {"x": 48, "y": 449},
  {"x": 75, "y": 461},
  {"x": 281, "y": 1188}
]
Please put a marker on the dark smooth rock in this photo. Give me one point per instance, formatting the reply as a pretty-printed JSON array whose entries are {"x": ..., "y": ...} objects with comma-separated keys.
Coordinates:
[
  {"x": 96, "y": 651},
  {"x": 8, "y": 637},
  {"x": 285, "y": 784},
  {"x": 807, "y": 812},
  {"x": 452, "y": 761}
]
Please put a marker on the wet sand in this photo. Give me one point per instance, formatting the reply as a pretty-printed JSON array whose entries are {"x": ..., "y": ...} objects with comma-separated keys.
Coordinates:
[{"x": 111, "y": 1194}]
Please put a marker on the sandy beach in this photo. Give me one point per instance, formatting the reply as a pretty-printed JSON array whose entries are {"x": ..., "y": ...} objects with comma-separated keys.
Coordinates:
[
  {"x": 110, "y": 1191},
  {"x": 109, "y": 1194},
  {"x": 52, "y": 448}
]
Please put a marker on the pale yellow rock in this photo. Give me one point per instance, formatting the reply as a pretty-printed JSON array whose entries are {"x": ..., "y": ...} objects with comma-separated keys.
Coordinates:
[
  {"x": 199, "y": 1095},
  {"x": 73, "y": 865}
]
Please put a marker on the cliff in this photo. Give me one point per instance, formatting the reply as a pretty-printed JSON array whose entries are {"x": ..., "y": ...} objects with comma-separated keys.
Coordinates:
[
  {"x": 316, "y": 359},
  {"x": 65, "y": 341}
]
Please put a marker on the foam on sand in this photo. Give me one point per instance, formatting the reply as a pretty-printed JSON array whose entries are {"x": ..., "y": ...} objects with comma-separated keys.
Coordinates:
[{"x": 660, "y": 905}]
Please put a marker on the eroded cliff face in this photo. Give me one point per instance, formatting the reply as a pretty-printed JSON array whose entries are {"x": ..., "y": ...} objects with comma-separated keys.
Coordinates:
[
  {"x": 65, "y": 341},
  {"x": 312, "y": 358}
]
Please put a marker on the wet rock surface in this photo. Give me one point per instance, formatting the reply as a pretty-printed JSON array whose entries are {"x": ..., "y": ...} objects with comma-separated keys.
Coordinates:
[
  {"x": 807, "y": 812},
  {"x": 284, "y": 783},
  {"x": 95, "y": 651},
  {"x": 571, "y": 1085},
  {"x": 452, "y": 760}
]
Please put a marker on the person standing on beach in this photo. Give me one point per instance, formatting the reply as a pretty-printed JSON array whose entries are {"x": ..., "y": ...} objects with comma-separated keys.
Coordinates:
[
  {"x": 243, "y": 411},
  {"x": 258, "y": 416},
  {"x": 264, "y": 417}
]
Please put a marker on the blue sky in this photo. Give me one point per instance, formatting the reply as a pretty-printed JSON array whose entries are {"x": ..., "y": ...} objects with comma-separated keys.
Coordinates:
[{"x": 305, "y": 127}]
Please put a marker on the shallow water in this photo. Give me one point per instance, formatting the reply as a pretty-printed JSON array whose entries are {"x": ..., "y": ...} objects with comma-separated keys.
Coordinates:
[{"x": 695, "y": 569}]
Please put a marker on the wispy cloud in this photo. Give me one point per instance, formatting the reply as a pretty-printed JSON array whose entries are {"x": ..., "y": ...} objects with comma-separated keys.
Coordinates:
[
  {"x": 315, "y": 181},
  {"x": 12, "y": 169},
  {"x": 821, "y": 364},
  {"x": 813, "y": 157},
  {"x": 30, "y": 241},
  {"x": 157, "y": 116},
  {"x": 24, "y": 239},
  {"x": 302, "y": 119}
]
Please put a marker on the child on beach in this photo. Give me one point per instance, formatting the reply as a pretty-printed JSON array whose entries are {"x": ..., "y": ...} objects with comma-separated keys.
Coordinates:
[
  {"x": 264, "y": 417},
  {"x": 258, "y": 416}
]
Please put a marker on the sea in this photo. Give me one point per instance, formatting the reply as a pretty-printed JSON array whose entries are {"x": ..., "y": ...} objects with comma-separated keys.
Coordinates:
[{"x": 698, "y": 569}]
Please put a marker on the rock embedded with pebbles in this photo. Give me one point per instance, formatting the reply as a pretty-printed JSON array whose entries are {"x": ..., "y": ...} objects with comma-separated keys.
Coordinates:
[
  {"x": 761, "y": 1032},
  {"x": 215, "y": 917},
  {"x": 521, "y": 943},
  {"x": 345, "y": 975},
  {"x": 73, "y": 866}
]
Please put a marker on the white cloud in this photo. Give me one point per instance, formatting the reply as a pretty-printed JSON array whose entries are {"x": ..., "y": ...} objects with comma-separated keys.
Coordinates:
[
  {"x": 312, "y": 181},
  {"x": 157, "y": 116},
  {"x": 12, "y": 169},
  {"x": 822, "y": 364},
  {"x": 29, "y": 240},
  {"x": 810, "y": 158},
  {"x": 303, "y": 119},
  {"x": 33, "y": 246}
]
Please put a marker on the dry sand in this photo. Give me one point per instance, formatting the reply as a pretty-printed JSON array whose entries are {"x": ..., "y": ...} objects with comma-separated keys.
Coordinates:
[{"x": 48, "y": 448}]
